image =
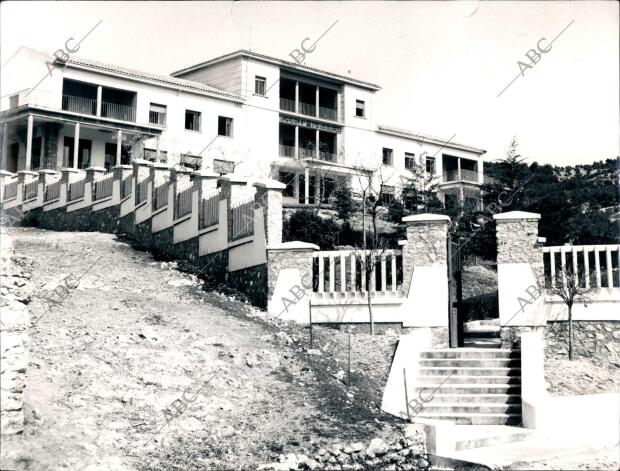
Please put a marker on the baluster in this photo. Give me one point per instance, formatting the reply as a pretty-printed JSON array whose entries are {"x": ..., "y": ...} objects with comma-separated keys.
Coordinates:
[
  {"x": 552, "y": 259},
  {"x": 364, "y": 267},
  {"x": 343, "y": 273},
  {"x": 353, "y": 270},
  {"x": 575, "y": 267},
  {"x": 610, "y": 277},
  {"x": 586, "y": 267},
  {"x": 321, "y": 272},
  {"x": 393, "y": 271},
  {"x": 563, "y": 260},
  {"x": 383, "y": 274},
  {"x": 597, "y": 263},
  {"x": 332, "y": 273}
]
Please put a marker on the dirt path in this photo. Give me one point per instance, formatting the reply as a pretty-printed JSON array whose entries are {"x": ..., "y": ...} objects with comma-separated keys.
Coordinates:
[{"x": 135, "y": 336}]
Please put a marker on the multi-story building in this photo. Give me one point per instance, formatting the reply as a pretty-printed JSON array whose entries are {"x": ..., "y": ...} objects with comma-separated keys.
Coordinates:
[{"x": 243, "y": 112}]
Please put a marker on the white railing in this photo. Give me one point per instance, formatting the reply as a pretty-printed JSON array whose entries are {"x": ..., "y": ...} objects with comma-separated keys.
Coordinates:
[
  {"x": 327, "y": 113},
  {"x": 287, "y": 105},
  {"x": 209, "y": 214},
  {"x": 103, "y": 187},
  {"x": 52, "y": 191},
  {"x": 357, "y": 271},
  {"x": 183, "y": 202},
  {"x": 30, "y": 190},
  {"x": 116, "y": 111},
  {"x": 242, "y": 220},
  {"x": 78, "y": 104},
  {"x": 594, "y": 265},
  {"x": 287, "y": 151},
  {"x": 10, "y": 190}
]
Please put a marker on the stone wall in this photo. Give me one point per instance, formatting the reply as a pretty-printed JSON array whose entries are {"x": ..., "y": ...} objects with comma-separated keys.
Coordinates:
[
  {"x": 517, "y": 242},
  {"x": 598, "y": 339},
  {"x": 403, "y": 451},
  {"x": 14, "y": 320}
]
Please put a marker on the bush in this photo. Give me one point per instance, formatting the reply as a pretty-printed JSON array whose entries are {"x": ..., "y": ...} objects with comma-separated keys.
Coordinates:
[
  {"x": 305, "y": 226},
  {"x": 481, "y": 307},
  {"x": 343, "y": 202}
]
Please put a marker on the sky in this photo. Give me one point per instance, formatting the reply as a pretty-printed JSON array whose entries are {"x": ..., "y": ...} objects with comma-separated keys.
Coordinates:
[{"x": 441, "y": 65}]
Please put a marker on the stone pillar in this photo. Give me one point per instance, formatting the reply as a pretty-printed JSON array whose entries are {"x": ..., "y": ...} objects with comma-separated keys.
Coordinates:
[
  {"x": 13, "y": 341},
  {"x": 69, "y": 175},
  {"x": 29, "y": 142},
  {"x": 289, "y": 280},
  {"x": 93, "y": 172},
  {"x": 269, "y": 197},
  {"x": 119, "y": 144},
  {"x": 45, "y": 178},
  {"x": 120, "y": 173},
  {"x": 425, "y": 276},
  {"x": 519, "y": 272},
  {"x": 50, "y": 146}
]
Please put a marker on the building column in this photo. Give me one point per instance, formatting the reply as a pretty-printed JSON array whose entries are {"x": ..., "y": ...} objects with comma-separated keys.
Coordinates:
[
  {"x": 316, "y": 151},
  {"x": 458, "y": 166},
  {"x": 296, "y": 186},
  {"x": 119, "y": 142},
  {"x": 157, "y": 149},
  {"x": 99, "y": 94},
  {"x": 29, "y": 142},
  {"x": 5, "y": 146},
  {"x": 316, "y": 111},
  {"x": 306, "y": 185},
  {"x": 297, "y": 142},
  {"x": 76, "y": 145},
  {"x": 296, "y": 96}
]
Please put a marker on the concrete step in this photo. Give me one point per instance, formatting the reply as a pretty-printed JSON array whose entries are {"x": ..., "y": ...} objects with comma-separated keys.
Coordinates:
[
  {"x": 482, "y": 333},
  {"x": 471, "y": 362},
  {"x": 478, "y": 353},
  {"x": 470, "y": 408},
  {"x": 473, "y": 419},
  {"x": 511, "y": 389},
  {"x": 473, "y": 371},
  {"x": 486, "y": 399},
  {"x": 489, "y": 435},
  {"x": 434, "y": 380}
]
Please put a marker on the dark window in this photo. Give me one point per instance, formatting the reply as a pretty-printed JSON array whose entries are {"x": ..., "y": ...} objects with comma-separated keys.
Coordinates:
[
  {"x": 360, "y": 109},
  {"x": 259, "y": 85},
  {"x": 151, "y": 155},
  {"x": 13, "y": 157},
  {"x": 110, "y": 156},
  {"x": 35, "y": 155},
  {"x": 328, "y": 185},
  {"x": 409, "y": 161},
  {"x": 224, "y": 126},
  {"x": 430, "y": 165},
  {"x": 288, "y": 179},
  {"x": 451, "y": 201},
  {"x": 191, "y": 161},
  {"x": 192, "y": 120},
  {"x": 84, "y": 152},
  {"x": 387, "y": 194},
  {"x": 388, "y": 156},
  {"x": 157, "y": 114}
]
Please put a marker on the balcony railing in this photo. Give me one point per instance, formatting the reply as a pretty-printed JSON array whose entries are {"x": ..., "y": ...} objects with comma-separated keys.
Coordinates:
[
  {"x": 327, "y": 113},
  {"x": 307, "y": 153},
  {"x": 116, "y": 111},
  {"x": 287, "y": 151},
  {"x": 465, "y": 176},
  {"x": 307, "y": 109},
  {"x": 78, "y": 104},
  {"x": 287, "y": 105},
  {"x": 327, "y": 156}
]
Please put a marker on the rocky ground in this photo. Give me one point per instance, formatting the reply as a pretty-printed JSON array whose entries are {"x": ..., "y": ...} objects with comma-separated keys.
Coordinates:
[
  {"x": 136, "y": 337},
  {"x": 581, "y": 376}
]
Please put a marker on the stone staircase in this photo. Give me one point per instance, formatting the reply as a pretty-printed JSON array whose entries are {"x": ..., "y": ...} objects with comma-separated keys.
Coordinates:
[{"x": 470, "y": 386}]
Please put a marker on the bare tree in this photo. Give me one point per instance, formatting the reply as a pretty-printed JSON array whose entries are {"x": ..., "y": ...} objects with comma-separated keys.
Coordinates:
[{"x": 571, "y": 289}]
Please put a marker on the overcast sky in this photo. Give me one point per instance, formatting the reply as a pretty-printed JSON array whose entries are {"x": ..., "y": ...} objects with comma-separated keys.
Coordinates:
[{"x": 441, "y": 64}]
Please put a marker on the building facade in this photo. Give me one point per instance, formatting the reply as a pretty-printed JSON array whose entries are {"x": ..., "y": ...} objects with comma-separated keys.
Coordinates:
[{"x": 242, "y": 113}]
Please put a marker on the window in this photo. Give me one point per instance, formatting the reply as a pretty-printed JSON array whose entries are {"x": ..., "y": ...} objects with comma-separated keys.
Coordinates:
[
  {"x": 191, "y": 161},
  {"x": 192, "y": 120},
  {"x": 223, "y": 166},
  {"x": 157, "y": 114},
  {"x": 430, "y": 165},
  {"x": 259, "y": 85},
  {"x": 224, "y": 126},
  {"x": 14, "y": 101},
  {"x": 388, "y": 156},
  {"x": 37, "y": 148},
  {"x": 151, "y": 155},
  {"x": 387, "y": 194},
  {"x": 360, "y": 109},
  {"x": 288, "y": 179},
  {"x": 409, "y": 161}
]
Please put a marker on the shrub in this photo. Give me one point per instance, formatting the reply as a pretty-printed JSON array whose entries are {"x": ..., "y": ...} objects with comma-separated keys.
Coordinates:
[
  {"x": 343, "y": 202},
  {"x": 305, "y": 226}
]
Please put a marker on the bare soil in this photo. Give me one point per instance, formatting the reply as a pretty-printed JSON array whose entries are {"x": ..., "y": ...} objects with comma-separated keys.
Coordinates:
[
  {"x": 137, "y": 334},
  {"x": 581, "y": 376}
]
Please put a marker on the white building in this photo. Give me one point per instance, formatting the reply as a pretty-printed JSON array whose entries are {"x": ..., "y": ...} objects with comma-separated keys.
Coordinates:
[{"x": 244, "y": 112}]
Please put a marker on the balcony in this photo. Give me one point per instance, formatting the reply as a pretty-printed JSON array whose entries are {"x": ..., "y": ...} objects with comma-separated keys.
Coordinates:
[
  {"x": 307, "y": 109},
  {"x": 287, "y": 105},
  {"x": 327, "y": 156},
  {"x": 328, "y": 113},
  {"x": 287, "y": 151},
  {"x": 454, "y": 175},
  {"x": 88, "y": 106}
]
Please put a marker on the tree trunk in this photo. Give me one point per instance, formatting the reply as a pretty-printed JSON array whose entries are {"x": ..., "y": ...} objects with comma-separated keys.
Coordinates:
[
  {"x": 570, "y": 332},
  {"x": 369, "y": 273}
]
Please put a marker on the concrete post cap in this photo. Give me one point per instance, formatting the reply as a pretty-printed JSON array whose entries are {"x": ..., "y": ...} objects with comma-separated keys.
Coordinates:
[
  {"x": 205, "y": 174},
  {"x": 47, "y": 172},
  {"x": 69, "y": 170},
  {"x": 426, "y": 218},
  {"x": 161, "y": 166},
  {"x": 26, "y": 172},
  {"x": 402, "y": 242},
  {"x": 269, "y": 184},
  {"x": 6, "y": 173},
  {"x": 293, "y": 245},
  {"x": 515, "y": 216},
  {"x": 95, "y": 169},
  {"x": 122, "y": 167},
  {"x": 232, "y": 178},
  {"x": 142, "y": 162}
]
